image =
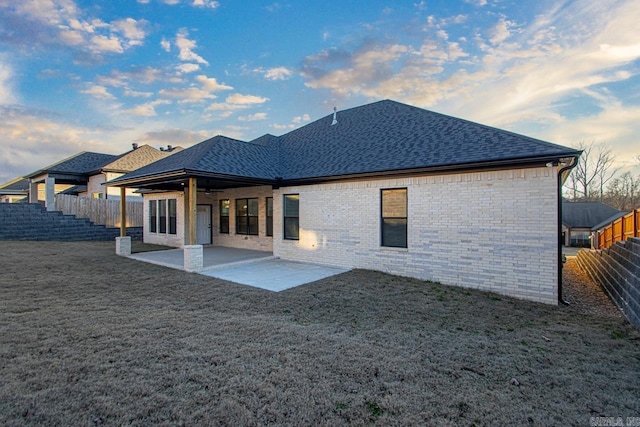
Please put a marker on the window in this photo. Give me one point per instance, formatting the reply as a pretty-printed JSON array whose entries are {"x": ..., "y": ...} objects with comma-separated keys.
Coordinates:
[
  {"x": 394, "y": 218},
  {"x": 159, "y": 222},
  {"x": 291, "y": 211},
  {"x": 269, "y": 216},
  {"x": 153, "y": 216},
  {"x": 247, "y": 216},
  {"x": 162, "y": 216},
  {"x": 224, "y": 216},
  {"x": 173, "y": 216}
]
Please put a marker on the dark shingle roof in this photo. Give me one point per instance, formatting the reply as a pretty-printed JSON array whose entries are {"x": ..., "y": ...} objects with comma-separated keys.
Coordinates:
[
  {"x": 17, "y": 184},
  {"x": 220, "y": 155},
  {"x": 80, "y": 164},
  {"x": 586, "y": 214},
  {"x": 378, "y": 137},
  {"x": 388, "y": 135}
]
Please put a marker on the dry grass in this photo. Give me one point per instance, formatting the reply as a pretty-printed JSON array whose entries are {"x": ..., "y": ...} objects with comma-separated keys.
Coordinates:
[{"x": 89, "y": 338}]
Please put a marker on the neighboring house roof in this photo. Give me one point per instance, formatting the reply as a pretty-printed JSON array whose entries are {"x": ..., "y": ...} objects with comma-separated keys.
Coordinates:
[
  {"x": 376, "y": 138},
  {"x": 587, "y": 214},
  {"x": 75, "y": 190},
  {"x": 85, "y": 163},
  {"x": 137, "y": 158},
  {"x": 608, "y": 221},
  {"x": 16, "y": 186}
]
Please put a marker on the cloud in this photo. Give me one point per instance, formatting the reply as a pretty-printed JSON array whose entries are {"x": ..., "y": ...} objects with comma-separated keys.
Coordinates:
[
  {"x": 40, "y": 24},
  {"x": 278, "y": 73},
  {"x": 148, "y": 109},
  {"x": 239, "y": 99},
  {"x": 523, "y": 76},
  {"x": 132, "y": 30},
  {"x": 104, "y": 44},
  {"x": 165, "y": 44},
  {"x": 137, "y": 94},
  {"x": 211, "y": 84},
  {"x": 26, "y": 131},
  {"x": 6, "y": 76},
  {"x": 186, "y": 47},
  {"x": 187, "y": 95},
  {"x": 175, "y": 136},
  {"x": 253, "y": 117},
  {"x": 187, "y": 68},
  {"x": 302, "y": 118},
  {"x": 137, "y": 75},
  {"x": 98, "y": 92},
  {"x": 501, "y": 31},
  {"x": 206, "y": 3}
]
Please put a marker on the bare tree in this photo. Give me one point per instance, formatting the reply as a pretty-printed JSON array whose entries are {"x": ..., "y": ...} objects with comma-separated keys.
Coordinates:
[
  {"x": 592, "y": 173},
  {"x": 623, "y": 192}
]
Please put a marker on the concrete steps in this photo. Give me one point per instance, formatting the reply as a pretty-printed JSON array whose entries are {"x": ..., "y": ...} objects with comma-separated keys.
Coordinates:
[
  {"x": 27, "y": 221},
  {"x": 617, "y": 270}
]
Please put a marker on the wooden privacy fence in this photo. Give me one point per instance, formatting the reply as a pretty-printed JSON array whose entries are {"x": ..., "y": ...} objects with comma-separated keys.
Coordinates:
[
  {"x": 621, "y": 229},
  {"x": 99, "y": 211}
]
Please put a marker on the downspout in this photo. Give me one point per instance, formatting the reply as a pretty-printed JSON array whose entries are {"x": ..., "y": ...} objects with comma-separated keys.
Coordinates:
[{"x": 560, "y": 259}]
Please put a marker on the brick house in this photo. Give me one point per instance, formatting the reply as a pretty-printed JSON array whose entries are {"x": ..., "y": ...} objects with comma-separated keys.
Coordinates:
[
  {"x": 384, "y": 186},
  {"x": 85, "y": 173}
]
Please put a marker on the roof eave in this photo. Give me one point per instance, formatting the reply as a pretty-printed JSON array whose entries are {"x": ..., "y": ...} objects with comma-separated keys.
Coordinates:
[{"x": 456, "y": 168}]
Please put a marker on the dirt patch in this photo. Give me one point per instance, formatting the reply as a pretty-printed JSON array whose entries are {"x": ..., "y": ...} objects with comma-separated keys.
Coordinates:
[{"x": 90, "y": 338}]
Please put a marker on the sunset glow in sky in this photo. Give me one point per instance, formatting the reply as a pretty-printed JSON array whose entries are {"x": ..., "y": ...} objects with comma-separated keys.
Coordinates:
[{"x": 100, "y": 75}]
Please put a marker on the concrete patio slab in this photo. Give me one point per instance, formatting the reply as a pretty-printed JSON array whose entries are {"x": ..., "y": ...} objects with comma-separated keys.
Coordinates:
[
  {"x": 213, "y": 257},
  {"x": 276, "y": 274},
  {"x": 259, "y": 269}
]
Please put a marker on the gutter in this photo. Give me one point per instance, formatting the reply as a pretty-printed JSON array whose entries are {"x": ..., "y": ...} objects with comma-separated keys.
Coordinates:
[{"x": 561, "y": 174}]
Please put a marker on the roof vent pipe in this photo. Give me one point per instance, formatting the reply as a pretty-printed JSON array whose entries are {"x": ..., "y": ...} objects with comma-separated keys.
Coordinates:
[
  {"x": 335, "y": 120},
  {"x": 135, "y": 145}
]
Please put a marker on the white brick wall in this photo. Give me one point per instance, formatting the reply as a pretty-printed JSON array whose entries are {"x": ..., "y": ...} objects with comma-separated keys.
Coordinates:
[
  {"x": 489, "y": 230},
  {"x": 176, "y": 240},
  {"x": 261, "y": 242}
]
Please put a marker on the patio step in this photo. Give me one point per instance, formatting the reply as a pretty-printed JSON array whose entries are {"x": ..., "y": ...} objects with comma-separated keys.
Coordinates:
[{"x": 31, "y": 221}]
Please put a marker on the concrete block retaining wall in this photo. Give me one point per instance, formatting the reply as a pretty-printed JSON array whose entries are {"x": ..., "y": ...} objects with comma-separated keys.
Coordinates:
[
  {"x": 30, "y": 221},
  {"x": 617, "y": 270}
]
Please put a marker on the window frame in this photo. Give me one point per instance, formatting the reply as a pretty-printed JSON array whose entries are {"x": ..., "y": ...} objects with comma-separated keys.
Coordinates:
[
  {"x": 223, "y": 222},
  {"x": 172, "y": 216},
  {"x": 400, "y": 218},
  {"x": 167, "y": 224},
  {"x": 153, "y": 216},
  {"x": 268, "y": 218},
  {"x": 248, "y": 216},
  {"x": 286, "y": 217},
  {"x": 162, "y": 220}
]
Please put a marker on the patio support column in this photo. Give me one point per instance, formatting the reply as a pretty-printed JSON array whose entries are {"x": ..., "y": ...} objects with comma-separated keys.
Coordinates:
[
  {"x": 123, "y": 243},
  {"x": 193, "y": 209},
  {"x": 123, "y": 211},
  {"x": 193, "y": 256},
  {"x": 49, "y": 191},
  {"x": 33, "y": 192}
]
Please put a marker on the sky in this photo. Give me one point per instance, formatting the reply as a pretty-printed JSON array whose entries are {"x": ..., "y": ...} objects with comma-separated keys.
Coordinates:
[{"x": 100, "y": 75}]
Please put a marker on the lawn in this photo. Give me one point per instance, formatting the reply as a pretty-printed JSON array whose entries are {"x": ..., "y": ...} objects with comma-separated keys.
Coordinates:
[{"x": 89, "y": 338}]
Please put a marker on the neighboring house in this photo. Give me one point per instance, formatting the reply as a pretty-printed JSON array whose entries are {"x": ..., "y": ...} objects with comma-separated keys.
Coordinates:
[
  {"x": 578, "y": 219},
  {"x": 384, "y": 186},
  {"x": 14, "y": 191},
  {"x": 138, "y": 157},
  {"x": 72, "y": 171},
  {"x": 85, "y": 173}
]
